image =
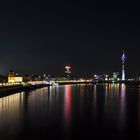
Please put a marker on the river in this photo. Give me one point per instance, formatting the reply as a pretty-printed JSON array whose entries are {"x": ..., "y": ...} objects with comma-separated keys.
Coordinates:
[{"x": 83, "y": 111}]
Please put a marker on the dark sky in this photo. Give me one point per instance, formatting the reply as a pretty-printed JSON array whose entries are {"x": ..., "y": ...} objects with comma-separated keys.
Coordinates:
[{"x": 44, "y": 36}]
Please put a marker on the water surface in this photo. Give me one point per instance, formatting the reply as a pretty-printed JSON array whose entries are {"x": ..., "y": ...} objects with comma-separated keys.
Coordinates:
[{"x": 109, "y": 111}]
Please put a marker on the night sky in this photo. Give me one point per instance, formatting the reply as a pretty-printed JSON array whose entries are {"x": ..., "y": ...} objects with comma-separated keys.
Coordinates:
[{"x": 44, "y": 36}]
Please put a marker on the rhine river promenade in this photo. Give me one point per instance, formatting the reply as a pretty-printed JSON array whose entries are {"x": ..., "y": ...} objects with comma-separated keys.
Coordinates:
[{"x": 10, "y": 88}]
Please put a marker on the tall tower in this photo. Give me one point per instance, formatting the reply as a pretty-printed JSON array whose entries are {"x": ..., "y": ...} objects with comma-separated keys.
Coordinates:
[{"x": 123, "y": 58}]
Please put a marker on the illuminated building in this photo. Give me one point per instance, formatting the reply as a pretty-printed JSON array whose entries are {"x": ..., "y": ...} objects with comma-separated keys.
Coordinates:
[
  {"x": 96, "y": 78},
  {"x": 123, "y": 58},
  {"x": 13, "y": 78},
  {"x": 68, "y": 72},
  {"x": 105, "y": 77},
  {"x": 115, "y": 75}
]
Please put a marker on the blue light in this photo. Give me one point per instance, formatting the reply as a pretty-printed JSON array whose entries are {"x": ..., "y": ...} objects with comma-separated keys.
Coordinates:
[{"x": 123, "y": 57}]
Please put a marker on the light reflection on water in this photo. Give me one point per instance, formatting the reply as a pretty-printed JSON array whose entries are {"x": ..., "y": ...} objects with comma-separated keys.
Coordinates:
[
  {"x": 104, "y": 108},
  {"x": 122, "y": 106},
  {"x": 67, "y": 105}
]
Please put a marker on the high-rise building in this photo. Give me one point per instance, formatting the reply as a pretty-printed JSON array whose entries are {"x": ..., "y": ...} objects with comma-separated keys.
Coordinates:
[
  {"x": 68, "y": 72},
  {"x": 123, "y": 59}
]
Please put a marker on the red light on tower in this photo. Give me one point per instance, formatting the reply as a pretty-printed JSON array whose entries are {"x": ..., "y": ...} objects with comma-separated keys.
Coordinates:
[{"x": 68, "y": 68}]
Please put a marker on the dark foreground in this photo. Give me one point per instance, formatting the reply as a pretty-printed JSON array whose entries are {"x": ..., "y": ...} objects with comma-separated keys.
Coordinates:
[{"x": 109, "y": 111}]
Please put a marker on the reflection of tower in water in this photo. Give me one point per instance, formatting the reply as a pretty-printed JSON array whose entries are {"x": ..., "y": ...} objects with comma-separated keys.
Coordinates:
[
  {"x": 95, "y": 101},
  {"x": 95, "y": 92},
  {"x": 122, "y": 106}
]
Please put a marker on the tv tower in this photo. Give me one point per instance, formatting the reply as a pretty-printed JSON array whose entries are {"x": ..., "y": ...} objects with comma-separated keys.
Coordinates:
[{"x": 123, "y": 58}]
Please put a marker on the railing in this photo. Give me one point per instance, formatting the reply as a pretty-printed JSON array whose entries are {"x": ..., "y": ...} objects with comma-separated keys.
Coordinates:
[
  {"x": 38, "y": 82},
  {"x": 9, "y": 84}
]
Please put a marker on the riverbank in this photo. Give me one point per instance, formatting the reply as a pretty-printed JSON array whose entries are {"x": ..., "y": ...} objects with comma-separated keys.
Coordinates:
[
  {"x": 11, "y": 89},
  {"x": 8, "y": 90}
]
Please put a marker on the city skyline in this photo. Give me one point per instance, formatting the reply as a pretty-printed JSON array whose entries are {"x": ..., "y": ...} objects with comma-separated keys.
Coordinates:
[
  {"x": 44, "y": 36},
  {"x": 69, "y": 69},
  {"x": 121, "y": 73}
]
